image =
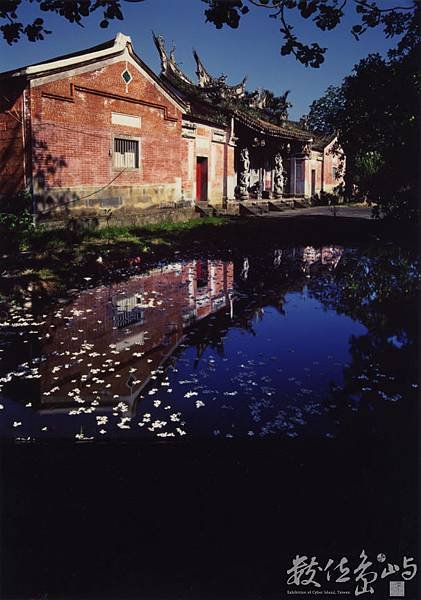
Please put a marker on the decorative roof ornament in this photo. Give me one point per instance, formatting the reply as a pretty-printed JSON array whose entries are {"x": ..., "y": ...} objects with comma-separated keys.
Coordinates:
[
  {"x": 239, "y": 90},
  {"x": 206, "y": 80},
  {"x": 275, "y": 108},
  {"x": 286, "y": 104},
  {"x": 169, "y": 66},
  {"x": 160, "y": 46},
  {"x": 259, "y": 99},
  {"x": 202, "y": 75}
]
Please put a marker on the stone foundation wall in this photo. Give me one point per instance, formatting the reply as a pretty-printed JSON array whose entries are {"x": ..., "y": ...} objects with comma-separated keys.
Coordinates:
[
  {"x": 87, "y": 199},
  {"x": 121, "y": 217}
]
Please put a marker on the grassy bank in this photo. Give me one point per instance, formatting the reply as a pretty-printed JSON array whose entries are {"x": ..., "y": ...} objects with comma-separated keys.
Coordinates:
[{"x": 52, "y": 262}]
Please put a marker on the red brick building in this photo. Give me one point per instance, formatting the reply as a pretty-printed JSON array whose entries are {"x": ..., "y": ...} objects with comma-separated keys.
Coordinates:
[{"x": 98, "y": 129}]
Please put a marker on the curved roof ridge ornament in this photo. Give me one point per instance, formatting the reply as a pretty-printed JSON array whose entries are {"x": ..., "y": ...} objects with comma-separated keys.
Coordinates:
[
  {"x": 259, "y": 98},
  {"x": 203, "y": 75},
  {"x": 169, "y": 65},
  {"x": 160, "y": 46},
  {"x": 240, "y": 89},
  {"x": 205, "y": 79}
]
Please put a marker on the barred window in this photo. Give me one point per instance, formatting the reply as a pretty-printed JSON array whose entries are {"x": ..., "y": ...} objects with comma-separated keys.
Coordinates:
[
  {"x": 126, "y": 311},
  {"x": 126, "y": 153},
  {"x": 335, "y": 172}
]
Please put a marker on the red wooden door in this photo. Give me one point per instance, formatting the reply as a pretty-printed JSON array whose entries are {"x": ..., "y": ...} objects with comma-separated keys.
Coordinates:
[{"x": 202, "y": 179}]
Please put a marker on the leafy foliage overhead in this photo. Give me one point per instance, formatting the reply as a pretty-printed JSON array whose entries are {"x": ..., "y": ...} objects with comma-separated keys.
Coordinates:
[
  {"x": 325, "y": 14},
  {"x": 323, "y": 117},
  {"x": 375, "y": 112}
]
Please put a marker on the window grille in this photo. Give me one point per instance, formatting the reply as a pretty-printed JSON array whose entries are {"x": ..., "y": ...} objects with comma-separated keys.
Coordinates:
[
  {"x": 126, "y": 153},
  {"x": 127, "y": 312},
  {"x": 127, "y": 76}
]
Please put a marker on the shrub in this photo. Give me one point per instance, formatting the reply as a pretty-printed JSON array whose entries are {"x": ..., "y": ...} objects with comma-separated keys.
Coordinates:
[
  {"x": 325, "y": 199},
  {"x": 16, "y": 222}
]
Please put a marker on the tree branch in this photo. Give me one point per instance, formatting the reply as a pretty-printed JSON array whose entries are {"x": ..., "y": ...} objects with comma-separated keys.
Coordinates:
[{"x": 364, "y": 4}]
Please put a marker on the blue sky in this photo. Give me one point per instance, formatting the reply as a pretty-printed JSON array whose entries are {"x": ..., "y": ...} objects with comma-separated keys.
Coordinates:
[{"x": 253, "y": 49}]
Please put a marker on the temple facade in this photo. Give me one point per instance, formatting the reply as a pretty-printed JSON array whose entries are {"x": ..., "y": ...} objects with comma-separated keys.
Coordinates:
[{"x": 99, "y": 131}]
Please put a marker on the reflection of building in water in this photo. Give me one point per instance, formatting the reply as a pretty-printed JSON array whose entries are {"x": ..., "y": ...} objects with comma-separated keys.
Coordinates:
[
  {"x": 310, "y": 257},
  {"x": 109, "y": 340},
  {"x": 127, "y": 310},
  {"x": 331, "y": 255}
]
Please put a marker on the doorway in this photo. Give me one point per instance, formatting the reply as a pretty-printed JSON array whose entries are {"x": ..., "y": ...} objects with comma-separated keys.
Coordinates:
[
  {"x": 299, "y": 177},
  {"x": 313, "y": 182},
  {"x": 202, "y": 179}
]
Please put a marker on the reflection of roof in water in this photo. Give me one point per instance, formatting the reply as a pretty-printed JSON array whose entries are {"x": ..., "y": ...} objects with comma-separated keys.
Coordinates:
[{"x": 133, "y": 327}]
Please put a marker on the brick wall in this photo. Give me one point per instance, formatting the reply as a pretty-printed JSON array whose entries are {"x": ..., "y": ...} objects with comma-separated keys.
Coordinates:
[
  {"x": 73, "y": 137},
  {"x": 314, "y": 163},
  {"x": 11, "y": 138},
  {"x": 331, "y": 161}
]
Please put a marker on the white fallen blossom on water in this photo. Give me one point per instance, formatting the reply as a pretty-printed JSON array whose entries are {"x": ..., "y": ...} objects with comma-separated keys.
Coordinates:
[
  {"x": 81, "y": 436},
  {"x": 157, "y": 425},
  {"x": 82, "y": 410}
]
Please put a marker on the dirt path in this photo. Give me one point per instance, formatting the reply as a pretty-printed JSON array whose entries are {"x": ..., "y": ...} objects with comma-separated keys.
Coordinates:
[{"x": 360, "y": 212}]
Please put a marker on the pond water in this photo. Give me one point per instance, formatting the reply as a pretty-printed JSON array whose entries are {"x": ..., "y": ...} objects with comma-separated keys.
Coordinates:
[{"x": 299, "y": 342}]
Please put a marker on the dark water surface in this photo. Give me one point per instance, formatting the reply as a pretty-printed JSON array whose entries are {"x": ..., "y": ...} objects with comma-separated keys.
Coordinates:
[
  {"x": 208, "y": 348},
  {"x": 282, "y": 391}
]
